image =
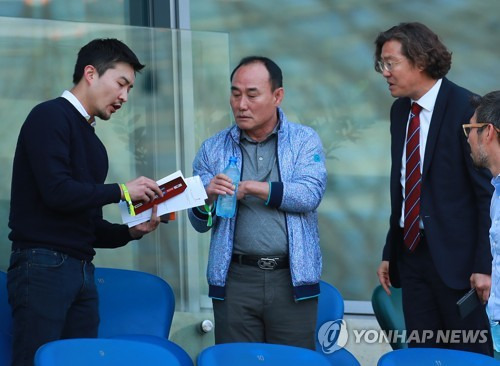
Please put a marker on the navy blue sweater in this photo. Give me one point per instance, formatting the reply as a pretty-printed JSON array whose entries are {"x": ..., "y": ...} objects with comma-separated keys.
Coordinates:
[{"x": 58, "y": 189}]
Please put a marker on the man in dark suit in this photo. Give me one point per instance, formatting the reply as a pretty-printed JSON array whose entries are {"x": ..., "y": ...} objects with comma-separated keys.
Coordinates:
[{"x": 437, "y": 247}]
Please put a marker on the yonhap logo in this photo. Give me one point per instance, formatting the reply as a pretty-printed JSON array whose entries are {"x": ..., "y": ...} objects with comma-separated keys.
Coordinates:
[{"x": 332, "y": 335}]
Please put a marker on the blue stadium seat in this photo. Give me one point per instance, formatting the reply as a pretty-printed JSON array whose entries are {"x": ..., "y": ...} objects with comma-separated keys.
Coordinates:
[
  {"x": 250, "y": 354},
  {"x": 331, "y": 308},
  {"x": 181, "y": 355},
  {"x": 434, "y": 357},
  {"x": 103, "y": 352},
  {"x": 133, "y": 302},
  {"x": 138, "y": 306},
  {"x": 389, "y": 313}
]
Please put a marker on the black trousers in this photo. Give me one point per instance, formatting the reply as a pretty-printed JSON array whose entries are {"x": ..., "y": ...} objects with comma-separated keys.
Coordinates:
[
  {"x": 430, "y": 308},
  {"x": 259, "y": 307}
]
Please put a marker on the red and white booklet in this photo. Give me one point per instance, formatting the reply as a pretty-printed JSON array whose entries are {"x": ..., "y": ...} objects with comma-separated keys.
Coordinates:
[
  {"x": 179, "y": 193},
  {"x": 170, "y": 189}
]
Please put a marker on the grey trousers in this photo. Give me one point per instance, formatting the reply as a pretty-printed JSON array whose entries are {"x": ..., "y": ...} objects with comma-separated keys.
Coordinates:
[{"x": 259, "y": 307}]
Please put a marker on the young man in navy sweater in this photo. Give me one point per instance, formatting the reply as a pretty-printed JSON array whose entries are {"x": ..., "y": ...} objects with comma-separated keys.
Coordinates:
[{"x": 58, "y": 192}]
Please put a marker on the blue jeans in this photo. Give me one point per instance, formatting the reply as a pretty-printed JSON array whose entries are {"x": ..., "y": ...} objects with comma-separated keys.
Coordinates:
[{"x": 53, "y": 296}]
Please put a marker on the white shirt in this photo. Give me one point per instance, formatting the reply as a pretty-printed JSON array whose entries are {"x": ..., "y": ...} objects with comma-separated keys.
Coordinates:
[
  {"x": 70, "y": 97},
  {"x": 427, "y": 102},
  {"x": 494, "y": 301}
]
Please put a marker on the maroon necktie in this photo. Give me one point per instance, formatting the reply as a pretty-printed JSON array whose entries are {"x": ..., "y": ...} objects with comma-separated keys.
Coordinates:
[{"x": 412, "y": 181}]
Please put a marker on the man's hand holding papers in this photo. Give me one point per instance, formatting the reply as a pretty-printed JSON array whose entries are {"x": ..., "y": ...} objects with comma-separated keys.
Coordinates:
[{"x": 179, "y": 193}]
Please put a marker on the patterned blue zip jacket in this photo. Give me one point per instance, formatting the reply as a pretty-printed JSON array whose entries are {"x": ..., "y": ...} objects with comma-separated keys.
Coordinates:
[{"x": 301, "y": 164}]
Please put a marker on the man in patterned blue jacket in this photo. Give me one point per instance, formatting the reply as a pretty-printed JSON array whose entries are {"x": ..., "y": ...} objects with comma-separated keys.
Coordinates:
[{"x": 264, "y": 263}]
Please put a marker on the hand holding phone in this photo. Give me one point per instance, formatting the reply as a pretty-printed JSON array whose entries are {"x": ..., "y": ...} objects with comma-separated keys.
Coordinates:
[{"x": 467, "y": 303}]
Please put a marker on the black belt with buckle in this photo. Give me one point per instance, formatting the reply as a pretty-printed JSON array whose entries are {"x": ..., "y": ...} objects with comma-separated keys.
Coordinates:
[{"x": 269, "y": 262}]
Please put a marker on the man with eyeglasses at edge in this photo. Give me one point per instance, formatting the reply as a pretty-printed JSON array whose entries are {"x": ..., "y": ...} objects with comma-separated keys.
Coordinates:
[
  {"x": 483, "y": 136},
  {"x": 449, "y": 250}
]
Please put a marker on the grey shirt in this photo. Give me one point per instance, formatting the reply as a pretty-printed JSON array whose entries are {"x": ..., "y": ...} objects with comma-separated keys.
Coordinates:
[{"x": 260, "y": 229}]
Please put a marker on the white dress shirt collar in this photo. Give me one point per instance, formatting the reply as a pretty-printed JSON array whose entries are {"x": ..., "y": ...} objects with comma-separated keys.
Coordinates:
[
  {"x": 70, "y": 97},
  {"x": 428, "y": 100}
]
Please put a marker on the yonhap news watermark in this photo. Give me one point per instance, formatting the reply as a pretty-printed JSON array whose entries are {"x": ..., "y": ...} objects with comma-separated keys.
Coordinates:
[{"x": 333, "y": 335}]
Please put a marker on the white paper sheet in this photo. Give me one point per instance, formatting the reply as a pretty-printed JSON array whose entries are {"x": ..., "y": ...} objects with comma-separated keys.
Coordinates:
[{"x": 193, "y": 196}]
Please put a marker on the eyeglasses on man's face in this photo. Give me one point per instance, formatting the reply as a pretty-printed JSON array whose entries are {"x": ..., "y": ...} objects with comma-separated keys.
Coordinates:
[
  {"x": 387, "y": 65},
  {"x": 469, "y": 126}
]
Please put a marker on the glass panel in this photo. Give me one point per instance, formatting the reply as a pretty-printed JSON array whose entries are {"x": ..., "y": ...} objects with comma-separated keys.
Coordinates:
[
  {"x": 180, "y": 91},
  {"x": 325, "y": 49},
  {"x": 211, "y": 114},
  {"x": 97, "y": 11}
]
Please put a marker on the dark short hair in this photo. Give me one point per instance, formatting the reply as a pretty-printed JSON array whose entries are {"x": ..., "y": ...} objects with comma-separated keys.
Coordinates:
[
  {"x": 420, "y": 45},
  {"x": 487, "y": 108},
  {"x": 275, "y": 75},
  {"x": 103, "y": 54}
]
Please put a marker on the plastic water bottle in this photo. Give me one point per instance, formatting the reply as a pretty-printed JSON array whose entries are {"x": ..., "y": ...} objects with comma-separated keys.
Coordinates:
[{"x": 226, "y": 204}]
